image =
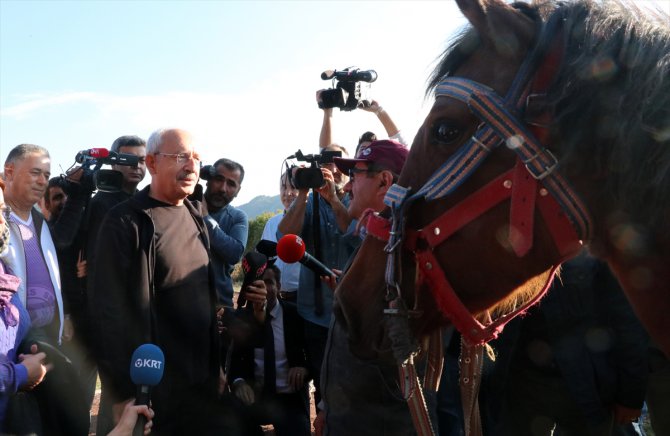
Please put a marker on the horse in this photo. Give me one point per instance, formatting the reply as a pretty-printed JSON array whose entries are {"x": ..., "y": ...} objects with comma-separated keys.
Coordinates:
[{"x": 550, "y": 131}]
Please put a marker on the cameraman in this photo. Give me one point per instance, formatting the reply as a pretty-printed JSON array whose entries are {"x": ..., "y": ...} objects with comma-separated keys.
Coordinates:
[
  {"x": 227, "y": 225},
  {"x": 100, "y": 204},
  {"x": 393, "y": 132},
  {"x": 331, "y": 233}
]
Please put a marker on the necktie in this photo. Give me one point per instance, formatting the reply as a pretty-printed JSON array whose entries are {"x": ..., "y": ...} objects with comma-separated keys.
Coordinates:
[{"x": 270, "y": 374}]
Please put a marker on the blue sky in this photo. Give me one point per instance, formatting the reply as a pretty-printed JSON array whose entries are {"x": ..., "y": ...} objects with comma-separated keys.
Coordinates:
[{"x": 240, "y": 75}]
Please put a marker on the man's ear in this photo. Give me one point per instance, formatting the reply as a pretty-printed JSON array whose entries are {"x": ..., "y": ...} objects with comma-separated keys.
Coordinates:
[
  {"x": 9, "y": 171},
  {"x": 386, "y": 180},
  {"x": 150, "y": 161}
]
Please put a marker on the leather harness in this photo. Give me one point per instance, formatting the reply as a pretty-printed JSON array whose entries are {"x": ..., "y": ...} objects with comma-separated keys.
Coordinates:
[{"x": 533, "y": 183}]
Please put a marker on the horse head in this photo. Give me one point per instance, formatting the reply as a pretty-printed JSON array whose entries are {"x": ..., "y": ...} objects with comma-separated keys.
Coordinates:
[{"x": 529, "y": 100}]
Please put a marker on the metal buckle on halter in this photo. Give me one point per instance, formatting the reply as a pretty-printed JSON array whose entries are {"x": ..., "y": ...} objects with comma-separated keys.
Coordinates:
[
  {"x": 481, "y": 144},
  {"x": 537, "y": 111},
  {"x": 547, "y": 169}
]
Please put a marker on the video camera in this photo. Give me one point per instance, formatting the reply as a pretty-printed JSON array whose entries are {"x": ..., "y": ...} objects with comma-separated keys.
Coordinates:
[
  {"x": 93, "y": 159},
  {"x": 348, "y": 92},
  {"x": 310, "y": 177}
]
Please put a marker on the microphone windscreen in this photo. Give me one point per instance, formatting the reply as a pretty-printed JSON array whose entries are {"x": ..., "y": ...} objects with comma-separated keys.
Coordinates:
[
  {"x": 99, "y": 152},
  {"x": 147, "y": 365},
  {"x": 269, "y": 249},
  {"x": 291, "y": 248},
  {"x": 253, "y": 265}
]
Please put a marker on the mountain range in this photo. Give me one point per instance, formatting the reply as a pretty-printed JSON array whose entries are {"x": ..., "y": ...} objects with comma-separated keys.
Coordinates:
[{"x": 260, "y": 205}]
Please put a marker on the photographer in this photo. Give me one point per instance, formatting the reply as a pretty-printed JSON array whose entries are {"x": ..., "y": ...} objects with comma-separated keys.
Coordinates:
[
  {"x": 326, "y": 135},
  {"x": 330, "y": 233},
  {"x": 98, "y": 207},
  {"x": 228, "y": 226}
]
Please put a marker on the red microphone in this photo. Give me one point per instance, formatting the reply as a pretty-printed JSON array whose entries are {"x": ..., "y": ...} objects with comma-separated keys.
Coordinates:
[
  {"x": 291, "y": 249},
  {"x": 92, "y": 153}
]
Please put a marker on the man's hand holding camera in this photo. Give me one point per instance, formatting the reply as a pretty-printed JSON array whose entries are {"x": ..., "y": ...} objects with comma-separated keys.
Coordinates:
[{"x": 328, "y": 189}]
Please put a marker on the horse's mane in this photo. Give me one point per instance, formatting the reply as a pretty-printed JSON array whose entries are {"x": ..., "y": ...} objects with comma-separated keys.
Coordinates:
[{"x": 611, "y": 98}]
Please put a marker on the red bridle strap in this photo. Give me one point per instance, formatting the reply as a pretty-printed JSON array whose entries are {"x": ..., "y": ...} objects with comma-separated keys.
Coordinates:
[{"x": 524, "y": 200}]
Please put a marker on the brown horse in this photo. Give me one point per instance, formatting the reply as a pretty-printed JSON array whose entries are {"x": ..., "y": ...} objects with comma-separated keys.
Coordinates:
[{"x": 593, "y": 83}]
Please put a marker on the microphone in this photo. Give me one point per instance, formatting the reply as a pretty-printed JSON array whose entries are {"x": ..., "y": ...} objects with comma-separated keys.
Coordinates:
[
  {"x": 93, "y": 153},
  {"x": 146, "y": 370},
  {"x": 291, "y": 249}
]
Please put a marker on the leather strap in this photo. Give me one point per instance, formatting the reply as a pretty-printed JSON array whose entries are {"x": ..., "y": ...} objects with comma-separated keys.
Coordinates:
[
  {"x": 409, "y": 385},
  {"x": 522, "y": 210},
  {"x": 472, "y": 362},
  {"x": 435, "y": 361}
]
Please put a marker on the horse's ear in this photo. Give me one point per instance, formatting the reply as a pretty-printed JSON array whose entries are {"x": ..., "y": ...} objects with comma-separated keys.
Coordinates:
[{"x": 499, "y": 25}]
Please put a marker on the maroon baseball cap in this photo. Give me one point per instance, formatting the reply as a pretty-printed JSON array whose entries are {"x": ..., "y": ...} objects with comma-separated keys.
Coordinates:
[{"x": 387, "y": 153}]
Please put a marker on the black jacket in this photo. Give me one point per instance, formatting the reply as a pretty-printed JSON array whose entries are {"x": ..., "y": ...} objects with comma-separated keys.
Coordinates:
[
  {"x": 242, "y": 365},
  {"x": 122, "y": 293}
]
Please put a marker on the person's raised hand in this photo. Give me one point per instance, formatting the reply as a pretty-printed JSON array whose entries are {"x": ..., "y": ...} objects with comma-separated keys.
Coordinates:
[
  {"x": 370, "y": 106},
  {"x": 128, "y": 419},
  {"x": 327, "y": 191},
  {"x": 319, "y": 102},
  {"x": 331, "y": 281},
  {"x": 257, "y": 294}
]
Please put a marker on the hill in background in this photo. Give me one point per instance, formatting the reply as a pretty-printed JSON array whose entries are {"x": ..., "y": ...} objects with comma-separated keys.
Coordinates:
[{"x": 262, "y": 204}]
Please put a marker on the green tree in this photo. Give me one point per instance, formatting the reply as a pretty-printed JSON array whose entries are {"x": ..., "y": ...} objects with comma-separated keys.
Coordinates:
[{"x": 256, "y": 227}]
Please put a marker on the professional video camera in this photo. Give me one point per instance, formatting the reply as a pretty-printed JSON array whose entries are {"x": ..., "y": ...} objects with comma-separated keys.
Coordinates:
[
  {"x": 207, "y": 172},
  {"x": 348, "y": 92},
  {"x": 93, "y": 159},
  {"x": 310, "y": 177}
]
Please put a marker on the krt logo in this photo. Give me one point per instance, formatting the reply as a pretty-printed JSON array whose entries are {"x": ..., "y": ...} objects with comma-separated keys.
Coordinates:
[{"x": 148, "y": 363}]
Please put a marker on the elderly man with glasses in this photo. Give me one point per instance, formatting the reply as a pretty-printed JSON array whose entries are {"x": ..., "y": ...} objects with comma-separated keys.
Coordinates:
[{"x": 153, "y": 284}]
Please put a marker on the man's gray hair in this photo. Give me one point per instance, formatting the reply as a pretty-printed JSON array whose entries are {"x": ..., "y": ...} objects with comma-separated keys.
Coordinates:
[
  {"x": 22, "y": 150},
  {"x": 155, "y": 140}
]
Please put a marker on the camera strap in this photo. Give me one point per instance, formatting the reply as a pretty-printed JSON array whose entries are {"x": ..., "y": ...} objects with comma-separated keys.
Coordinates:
[{"x": 316, "y": 238}]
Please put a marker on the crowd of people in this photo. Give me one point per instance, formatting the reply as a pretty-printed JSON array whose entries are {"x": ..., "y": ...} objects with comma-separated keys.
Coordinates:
[{"x": 92, "y": 274}]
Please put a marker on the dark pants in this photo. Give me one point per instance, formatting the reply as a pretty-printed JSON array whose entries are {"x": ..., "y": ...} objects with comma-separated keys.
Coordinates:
[
  {"x": 191, "y": 410},
  {"x": 536, "y": 403},
  {"x": 60, "y": 396},
  {"x": 658, "y": 392},
  {"x": 362, "y": 397},
  {"x": 316, "y": 337},
  {"x": 288, "y": 414}
]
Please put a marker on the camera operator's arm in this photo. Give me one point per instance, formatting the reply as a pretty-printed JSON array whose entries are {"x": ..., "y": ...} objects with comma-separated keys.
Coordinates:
[
  {"x": 328, "y": 192},
  {"x": 326, "y": 135},
  {"x": 295, "y": 215},
  {"x": 65, "y": 229},
  {"x": 392, "y": 130},
  {"x": 230, "y": 245}
]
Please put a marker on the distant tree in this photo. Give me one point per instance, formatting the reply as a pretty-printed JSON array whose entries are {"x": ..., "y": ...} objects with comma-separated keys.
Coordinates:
[{"x": 256, "y": 227}]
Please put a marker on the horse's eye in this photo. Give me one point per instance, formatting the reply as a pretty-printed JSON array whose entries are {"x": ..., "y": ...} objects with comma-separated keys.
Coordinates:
[{"x": 446, "y": 132}]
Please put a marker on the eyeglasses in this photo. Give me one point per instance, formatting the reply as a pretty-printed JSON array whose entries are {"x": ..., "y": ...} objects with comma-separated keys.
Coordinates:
[
  {"x": 182, "y": 158},
  {"x": 353, "y": 171}
]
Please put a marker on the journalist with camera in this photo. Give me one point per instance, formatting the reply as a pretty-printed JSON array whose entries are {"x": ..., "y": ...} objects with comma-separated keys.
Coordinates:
[
  {"x": 349, "y": 94},
  {"x": 127, "y": 159},
  {"x": 320, "y": 218},
  {"x": 228, "y": 227}
]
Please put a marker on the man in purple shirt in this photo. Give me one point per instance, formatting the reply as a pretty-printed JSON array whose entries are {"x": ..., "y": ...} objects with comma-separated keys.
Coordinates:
[
  {"x": 16, "y": 372},
  {"x": 31, "y": 256}
]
